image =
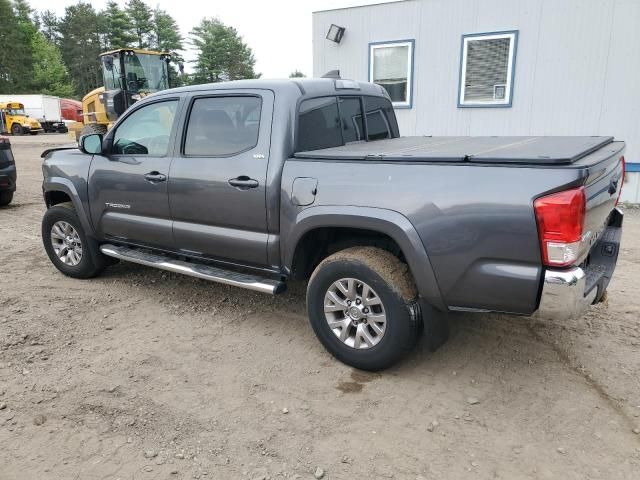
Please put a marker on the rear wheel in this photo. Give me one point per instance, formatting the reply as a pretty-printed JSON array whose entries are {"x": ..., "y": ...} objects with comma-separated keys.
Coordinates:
[
  {"x": 67, "y": 245},
  {"x": 361, "y": 304},
  {"x": 16, "y": 129},
  {"x": 5, "y": 198}
]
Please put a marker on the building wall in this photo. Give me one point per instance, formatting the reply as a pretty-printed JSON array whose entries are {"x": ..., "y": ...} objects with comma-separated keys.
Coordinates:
[{"x": 577, "y": 65}]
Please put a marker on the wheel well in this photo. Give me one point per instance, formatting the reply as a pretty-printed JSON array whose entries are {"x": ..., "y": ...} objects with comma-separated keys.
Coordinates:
[
  {"x": 319, "y": 243},
  {"x": 56, "y": 197}
]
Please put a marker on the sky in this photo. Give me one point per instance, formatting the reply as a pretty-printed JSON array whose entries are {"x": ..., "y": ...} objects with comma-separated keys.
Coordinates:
[{"x": 278, "y": 31}]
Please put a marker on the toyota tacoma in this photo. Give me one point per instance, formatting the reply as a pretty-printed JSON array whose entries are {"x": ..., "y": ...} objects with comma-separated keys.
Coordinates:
[{"x": 256, "y": 183}]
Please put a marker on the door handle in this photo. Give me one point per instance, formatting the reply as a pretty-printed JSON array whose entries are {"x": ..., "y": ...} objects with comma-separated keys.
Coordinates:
[
  {"x": 155, "y": 177},
  {"x": 243, "y": 182}
]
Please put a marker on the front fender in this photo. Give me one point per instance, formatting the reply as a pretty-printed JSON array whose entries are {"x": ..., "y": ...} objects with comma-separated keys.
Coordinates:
[
  {"x": 387, "y": 222},
  {"x": 61, "y": 184}
]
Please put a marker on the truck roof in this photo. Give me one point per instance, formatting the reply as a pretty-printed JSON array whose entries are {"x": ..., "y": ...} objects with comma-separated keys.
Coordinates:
[
  {"x": 492, "y": 150},
  {"x": 305, "y": 87}
]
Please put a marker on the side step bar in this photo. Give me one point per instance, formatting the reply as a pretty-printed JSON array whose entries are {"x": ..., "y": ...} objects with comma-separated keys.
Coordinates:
[{"x": 198, "y": 270}]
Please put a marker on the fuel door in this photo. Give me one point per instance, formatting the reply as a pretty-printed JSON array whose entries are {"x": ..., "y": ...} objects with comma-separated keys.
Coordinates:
[{"x": 304, "y": 191}]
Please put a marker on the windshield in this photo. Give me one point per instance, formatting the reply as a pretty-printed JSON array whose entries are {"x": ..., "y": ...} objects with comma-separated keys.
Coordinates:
[
  {"x": 144, "y": 73},
  {"x": 15, "y": 111}
]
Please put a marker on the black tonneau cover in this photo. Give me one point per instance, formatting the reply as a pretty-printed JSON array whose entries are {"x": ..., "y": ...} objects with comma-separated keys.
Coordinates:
[{"x": 519, "y": 150}]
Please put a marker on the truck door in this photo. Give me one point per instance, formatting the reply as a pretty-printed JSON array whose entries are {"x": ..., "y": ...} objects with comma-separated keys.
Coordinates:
[
  {"x": 217, "y": 182},
  {"x": 128, "y": 186}
]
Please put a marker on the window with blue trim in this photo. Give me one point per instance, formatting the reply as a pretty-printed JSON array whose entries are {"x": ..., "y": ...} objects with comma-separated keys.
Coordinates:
[
  {"x": 487, "y": 69},
  {"x": 391, "y": 66}
]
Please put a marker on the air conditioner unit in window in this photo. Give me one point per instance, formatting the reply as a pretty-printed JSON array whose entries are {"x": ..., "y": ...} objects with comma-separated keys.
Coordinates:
[{"x": 499, "y": 91}]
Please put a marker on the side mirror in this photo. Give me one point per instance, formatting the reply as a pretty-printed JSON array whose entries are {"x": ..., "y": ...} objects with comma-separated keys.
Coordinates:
[{"x": 91, "y": 144}]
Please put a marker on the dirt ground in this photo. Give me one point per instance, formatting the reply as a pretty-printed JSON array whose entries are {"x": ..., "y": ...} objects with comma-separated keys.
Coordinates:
[{"x": 141, "y": 374}]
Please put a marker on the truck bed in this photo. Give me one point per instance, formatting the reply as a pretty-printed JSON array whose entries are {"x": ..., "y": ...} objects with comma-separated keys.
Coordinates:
[{"x": 488, "y": 150}]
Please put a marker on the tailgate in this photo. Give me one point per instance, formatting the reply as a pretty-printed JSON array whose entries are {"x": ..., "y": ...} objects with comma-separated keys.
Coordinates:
[
  {"x": 603, "y": 222},
  {"x": 602, "y": 189}
]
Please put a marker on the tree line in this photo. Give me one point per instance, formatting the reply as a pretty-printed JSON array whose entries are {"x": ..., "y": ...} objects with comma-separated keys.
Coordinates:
[{"x": 41, "y": 52}]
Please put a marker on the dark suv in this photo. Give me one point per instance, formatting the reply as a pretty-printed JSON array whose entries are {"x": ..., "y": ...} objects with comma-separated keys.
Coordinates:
[{"x": 7, "y": 172}]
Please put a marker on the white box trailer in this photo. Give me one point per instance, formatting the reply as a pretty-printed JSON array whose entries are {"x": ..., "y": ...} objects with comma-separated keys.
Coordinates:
[{"x": 44, "y": 108}]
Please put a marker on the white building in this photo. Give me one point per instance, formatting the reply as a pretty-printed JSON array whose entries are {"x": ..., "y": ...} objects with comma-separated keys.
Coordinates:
[{"x": 497, "y": 67}]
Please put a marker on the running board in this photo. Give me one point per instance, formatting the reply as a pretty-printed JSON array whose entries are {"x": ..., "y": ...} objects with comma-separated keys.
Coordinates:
[{"x": 198, "y": 270}]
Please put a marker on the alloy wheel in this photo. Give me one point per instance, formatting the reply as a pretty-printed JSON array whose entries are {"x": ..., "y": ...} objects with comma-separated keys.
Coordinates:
[{"x": 355, "y": 313}]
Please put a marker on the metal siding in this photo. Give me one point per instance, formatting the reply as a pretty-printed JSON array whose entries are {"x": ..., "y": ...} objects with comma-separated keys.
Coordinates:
[{"x": 576, "y": 68}]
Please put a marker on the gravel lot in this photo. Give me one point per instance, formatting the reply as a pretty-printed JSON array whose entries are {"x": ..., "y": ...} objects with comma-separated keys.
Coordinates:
[{"x": 141, "y": 374}]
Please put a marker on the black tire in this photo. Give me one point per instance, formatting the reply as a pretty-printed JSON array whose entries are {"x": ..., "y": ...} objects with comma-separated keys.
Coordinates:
[
  {"x": 393, "y": 284},
  {"x": 5, "y": 198},
  {"x": 92, "y": 261},
  {"x": 16, "y": 129}
]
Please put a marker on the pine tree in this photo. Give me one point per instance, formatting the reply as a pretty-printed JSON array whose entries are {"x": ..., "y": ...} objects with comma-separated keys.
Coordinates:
[
  {"x": 80, "y": 46},
  {"x": 165, "y": 32},
  {"x": 14, "y": 47},
  {"x": 141, "y": 19},
  {"x": 166, "y": 37},
  {"x": 16, "y": 32},
  {"x": 221, "y": 53},
  {"x": 49, "y": 26},
  {"x": 118, "y": 28}
]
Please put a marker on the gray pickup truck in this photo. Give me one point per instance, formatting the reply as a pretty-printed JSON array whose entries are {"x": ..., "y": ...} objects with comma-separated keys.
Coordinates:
[{"x": 255, "y": 183}]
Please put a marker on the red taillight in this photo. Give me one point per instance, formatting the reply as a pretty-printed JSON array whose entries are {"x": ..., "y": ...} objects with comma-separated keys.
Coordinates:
[
  {"x": 560, "y": 218},
  {"x": 624, "y": 169}
]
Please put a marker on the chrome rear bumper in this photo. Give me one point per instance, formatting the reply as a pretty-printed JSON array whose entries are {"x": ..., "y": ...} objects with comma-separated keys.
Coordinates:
[
  {"x": 563, "y": 291},
  {"x": 563, "y": 295}
]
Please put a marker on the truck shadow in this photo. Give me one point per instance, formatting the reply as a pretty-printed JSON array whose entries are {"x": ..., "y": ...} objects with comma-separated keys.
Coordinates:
[{"x": 473, "y": 337}]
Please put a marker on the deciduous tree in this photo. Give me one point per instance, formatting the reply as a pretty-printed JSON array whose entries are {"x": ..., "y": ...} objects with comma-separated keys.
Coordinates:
[{"x": 50, "y": 76}]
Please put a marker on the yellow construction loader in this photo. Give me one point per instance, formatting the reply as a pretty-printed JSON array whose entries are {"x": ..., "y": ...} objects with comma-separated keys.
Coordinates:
[{"x": 129, "y": 74}]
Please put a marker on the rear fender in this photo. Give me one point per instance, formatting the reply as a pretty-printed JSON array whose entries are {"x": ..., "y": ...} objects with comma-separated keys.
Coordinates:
[{"x": 387, "y": 222}]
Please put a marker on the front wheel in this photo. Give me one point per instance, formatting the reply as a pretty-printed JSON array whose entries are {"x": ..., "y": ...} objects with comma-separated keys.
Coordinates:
[
  {"x": 361, "y": 304},
  {"x": 16, "y": 129},
  {"x": 67, "y": 245}
]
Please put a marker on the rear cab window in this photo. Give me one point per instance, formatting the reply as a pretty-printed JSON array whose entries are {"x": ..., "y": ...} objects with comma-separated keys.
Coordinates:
[
  {"x": 334, "y": 121},
  {"x": 381, "y": 119}
]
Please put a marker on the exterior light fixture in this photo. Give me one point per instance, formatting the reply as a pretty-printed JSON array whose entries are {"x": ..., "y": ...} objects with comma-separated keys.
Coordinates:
[{"x": 335, "y": 33}]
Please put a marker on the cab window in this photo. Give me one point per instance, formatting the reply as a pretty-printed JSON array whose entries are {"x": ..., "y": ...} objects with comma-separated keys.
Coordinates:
[
  {"x": 146, "y": 131},
  {"x": 335, "y": 121},
  {"x": 351, "y": 119},
  {"x": 319, "y": 124},
  {"x": 381, "y": 119},
  {"x": 223, "y": 126}
]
